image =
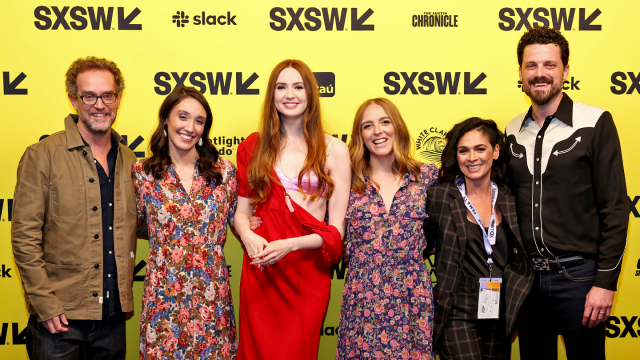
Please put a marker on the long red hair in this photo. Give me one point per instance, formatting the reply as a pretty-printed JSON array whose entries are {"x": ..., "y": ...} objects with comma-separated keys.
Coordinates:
[{"x": 266, "y": 155}]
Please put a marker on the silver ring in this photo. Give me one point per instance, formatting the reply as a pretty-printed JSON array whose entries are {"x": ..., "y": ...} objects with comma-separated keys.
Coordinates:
[{"x": 602, "y": 313}]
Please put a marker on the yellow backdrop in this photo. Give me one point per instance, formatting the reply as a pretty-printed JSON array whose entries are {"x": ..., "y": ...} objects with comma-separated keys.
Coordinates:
[{"x": 439, "y": 62}]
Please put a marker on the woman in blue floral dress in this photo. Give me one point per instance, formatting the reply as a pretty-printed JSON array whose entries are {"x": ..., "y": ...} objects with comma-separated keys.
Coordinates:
[
  {"x": 187, "y": 194},
  {"x": 387, "y": 304}
]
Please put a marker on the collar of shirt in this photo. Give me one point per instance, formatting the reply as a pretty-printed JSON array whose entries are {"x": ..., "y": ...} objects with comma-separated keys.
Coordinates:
[
  {"x": 408, "y": 177},
  {"x": 564, "y": 112}
]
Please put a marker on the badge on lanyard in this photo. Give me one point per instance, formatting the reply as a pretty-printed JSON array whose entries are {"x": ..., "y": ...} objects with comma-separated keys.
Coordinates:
[
  {"x": 489, "y": 298},
  {"x": 489, "y": 294}
]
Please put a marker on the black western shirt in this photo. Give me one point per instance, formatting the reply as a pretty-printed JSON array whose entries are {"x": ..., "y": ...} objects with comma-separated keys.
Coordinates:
[
  {"x": 110, "y": 295},
  {"x": 568, "y": 180}
]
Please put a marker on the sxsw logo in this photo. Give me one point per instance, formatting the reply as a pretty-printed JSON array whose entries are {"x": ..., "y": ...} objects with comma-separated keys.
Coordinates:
[
  {"x": 637, "y": 268},
  {"x": 326, "y": 83},
  {"x": 633, "y": 206},
  {"x": 9, "y": 205},
  {"x": 217, "y": 82},
  {"x": 331, "y": 18},
  {"x": 444, "y": 82},
  {"x": 558, "y": 18},
  {"x": 614, "y": 330},
  {"x": 97, "y": 17},
  {"x": 10, "y": 87},
  {"x": 620, "y": 87},
  {"x": 566, "y": 85},
  {"x": 180, "y": 19},
  {"x": 18, "y": 337}
]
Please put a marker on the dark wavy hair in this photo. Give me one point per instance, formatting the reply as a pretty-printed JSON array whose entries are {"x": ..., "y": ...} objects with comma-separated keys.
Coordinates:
[
  {"x": 544, "y": 36},
  {"x": 160, "y": 160},
  {"x": 450, "y": 171}
]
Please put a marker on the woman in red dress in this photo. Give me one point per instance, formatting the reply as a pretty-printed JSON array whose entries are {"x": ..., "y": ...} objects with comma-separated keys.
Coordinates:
[{"x": 290, "y": 174}]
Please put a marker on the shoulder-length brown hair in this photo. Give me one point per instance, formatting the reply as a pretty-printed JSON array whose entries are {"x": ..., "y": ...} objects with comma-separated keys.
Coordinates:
[
  {"x": 450, "y": 170},
  {"x": 402, "y": 146},
  {"x": 160, "y": 160},
  {"x": 271, "y": 141}
]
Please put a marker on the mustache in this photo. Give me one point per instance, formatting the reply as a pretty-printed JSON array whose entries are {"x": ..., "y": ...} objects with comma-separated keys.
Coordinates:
[{"x": 541, "y": 80}]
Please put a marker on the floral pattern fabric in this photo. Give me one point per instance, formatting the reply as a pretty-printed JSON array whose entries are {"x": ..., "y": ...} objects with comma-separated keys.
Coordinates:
[
  {"x": 187, "y": 311},
  {"x": 387, "y": 303}
]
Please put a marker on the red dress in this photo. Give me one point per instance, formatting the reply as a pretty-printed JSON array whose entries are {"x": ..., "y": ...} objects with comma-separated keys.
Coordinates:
[{"x": 282, "y": 306}]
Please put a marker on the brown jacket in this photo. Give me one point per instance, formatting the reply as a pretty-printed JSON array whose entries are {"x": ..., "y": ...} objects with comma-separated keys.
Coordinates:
[
  {"x": 446, "y": 224},
  {"x": 56, "y": 232}
]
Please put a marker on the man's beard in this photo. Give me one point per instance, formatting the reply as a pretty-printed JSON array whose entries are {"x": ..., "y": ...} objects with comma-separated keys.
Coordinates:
[
  {"x": 540, "y": 97},
  {"x": 97, "y": 128}
]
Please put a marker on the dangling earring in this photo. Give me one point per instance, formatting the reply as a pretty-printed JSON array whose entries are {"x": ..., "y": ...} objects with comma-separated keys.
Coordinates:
[
  {"x": 165, "y": 133},
  {"x": 200, "y": 141}
]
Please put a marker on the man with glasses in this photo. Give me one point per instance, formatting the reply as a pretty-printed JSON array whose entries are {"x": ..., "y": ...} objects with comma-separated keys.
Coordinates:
[{"x": 74, "y": 224}]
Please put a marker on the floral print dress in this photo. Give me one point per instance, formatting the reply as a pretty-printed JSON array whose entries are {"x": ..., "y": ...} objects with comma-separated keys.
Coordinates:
[
  {"x": 387, "y": 303},
  {"x": 187, "y": 311}
]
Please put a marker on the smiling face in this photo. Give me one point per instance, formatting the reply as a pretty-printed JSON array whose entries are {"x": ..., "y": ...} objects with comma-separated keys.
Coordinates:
[
  {"x": 290, "y": 95},
  {"x": 476, "y": 156},
  {"x": 99, "y": 117},
  {"x": 185, "y": 125},
  {"x": 542, "y": 72},
  {"x": 378, "y": 133}
]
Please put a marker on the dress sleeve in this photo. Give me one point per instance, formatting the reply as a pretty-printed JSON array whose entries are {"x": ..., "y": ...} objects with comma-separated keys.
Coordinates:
[
  {"x": 243, "y": 159},
  {"x": 232, "y": 188},
  {"x": 430, "y": 226},
  {"x": 137, "y": 173},
  {"x": 332, "y": 247}
]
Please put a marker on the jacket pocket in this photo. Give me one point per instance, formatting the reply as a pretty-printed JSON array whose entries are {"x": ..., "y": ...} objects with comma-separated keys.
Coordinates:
[
  {"x": 67, "y": 201},
  {"x": 131, "y": 196},
  {"x": 67, "y": 282}
]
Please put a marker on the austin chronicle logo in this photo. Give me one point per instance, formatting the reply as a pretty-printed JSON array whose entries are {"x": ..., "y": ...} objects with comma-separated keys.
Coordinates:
[
  {"x": 430, "y": 144},
  {"x": 434, "y": 19}
]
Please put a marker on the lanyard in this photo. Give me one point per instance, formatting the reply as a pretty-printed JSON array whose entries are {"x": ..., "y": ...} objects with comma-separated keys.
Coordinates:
[{"x": 490, "y": 238}]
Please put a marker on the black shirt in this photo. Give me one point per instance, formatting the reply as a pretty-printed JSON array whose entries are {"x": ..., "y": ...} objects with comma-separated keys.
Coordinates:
[
  {"x": 569, "y": 184},
  {"x": 474, "y": 264},
  {"x": 110, "y": 295}
]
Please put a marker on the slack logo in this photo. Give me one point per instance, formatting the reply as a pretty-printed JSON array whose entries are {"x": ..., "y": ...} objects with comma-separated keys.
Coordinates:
[
  {"x": 566, "y": 85},
  {"x": 620, "y": 87},
  {"x": 180, "y": 19},
  {"x": 326, "y": 83},
  {"x": 217, "y": 82},
  {"x": 445, "y": 82},
  {"x": 558, "y": 18},
  {"x": 99, "y": 18},
  {"x": 332, "y": 18}
]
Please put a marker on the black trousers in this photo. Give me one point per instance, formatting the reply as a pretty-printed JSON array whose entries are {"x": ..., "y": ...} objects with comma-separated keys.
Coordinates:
[
  {"x": 86, "y": 339},
  {"x": 555, "y": 305}
]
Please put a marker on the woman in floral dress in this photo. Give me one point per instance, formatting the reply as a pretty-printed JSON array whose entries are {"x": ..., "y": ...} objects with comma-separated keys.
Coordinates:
[
  {"x": 387, "y": 304},
  {"x": 187, "y": 194}
]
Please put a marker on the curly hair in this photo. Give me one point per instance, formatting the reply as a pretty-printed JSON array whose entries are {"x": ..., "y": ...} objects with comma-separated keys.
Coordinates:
[
  {"x": 92, "y": 63},
  {"x": 542, "y": 36},
  {"x": 402, "y": 146},
  {"x": 450, "y": 170},
  {"x": 208, "y": 155}
]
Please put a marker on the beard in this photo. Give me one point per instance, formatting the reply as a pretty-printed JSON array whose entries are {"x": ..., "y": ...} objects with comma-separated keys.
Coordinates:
[
  {"x": 541, "y": 97},
  {"x": 95, "y": 126}
]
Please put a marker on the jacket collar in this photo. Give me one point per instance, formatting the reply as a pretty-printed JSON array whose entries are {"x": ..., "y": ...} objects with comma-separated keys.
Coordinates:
[
  {"x": 564, "y": 112},
  {"x": 74, "y": 139}
]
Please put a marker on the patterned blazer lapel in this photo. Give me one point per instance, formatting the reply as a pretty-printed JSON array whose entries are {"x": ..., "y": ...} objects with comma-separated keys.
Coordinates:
[{"x": 459, "y": 213}]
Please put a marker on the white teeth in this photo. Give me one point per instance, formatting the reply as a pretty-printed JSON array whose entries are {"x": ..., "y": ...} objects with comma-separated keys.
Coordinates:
[
  {"x": 99, "y": 115},
  {"x": 186, "y": 137},
  {"x": 474, "y": 167},
  {"x": 379, "y": 141}
]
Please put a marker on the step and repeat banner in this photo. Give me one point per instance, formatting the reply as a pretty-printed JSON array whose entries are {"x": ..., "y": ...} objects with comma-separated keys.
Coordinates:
[{"x": 438, "y": 62}]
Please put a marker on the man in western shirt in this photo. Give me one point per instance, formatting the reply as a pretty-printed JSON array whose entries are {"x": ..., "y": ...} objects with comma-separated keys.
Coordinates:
[
  {"x": 74, "y": 224},
  {"x": 566, "y": 170}
]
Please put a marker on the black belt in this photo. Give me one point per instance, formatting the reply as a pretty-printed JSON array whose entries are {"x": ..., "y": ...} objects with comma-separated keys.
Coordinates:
[{"x": 557, "y": 262}]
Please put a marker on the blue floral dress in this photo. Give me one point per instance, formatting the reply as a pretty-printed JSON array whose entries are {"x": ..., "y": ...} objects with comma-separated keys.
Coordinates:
[
  {"x": 187, "y": 311},
  {"x": 387, "y": 303}
]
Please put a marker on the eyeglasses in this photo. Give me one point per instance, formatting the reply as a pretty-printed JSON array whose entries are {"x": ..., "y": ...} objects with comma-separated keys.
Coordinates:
[{"x": 89, "y": 99}]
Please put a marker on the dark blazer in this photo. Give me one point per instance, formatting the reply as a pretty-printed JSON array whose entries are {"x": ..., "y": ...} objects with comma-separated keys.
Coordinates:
[{"x": 446, "y": 227}]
